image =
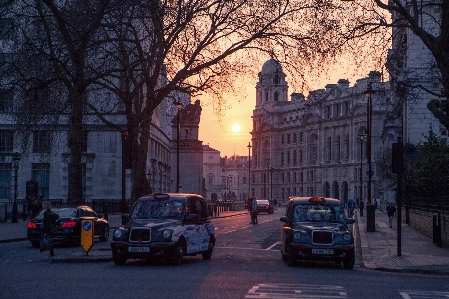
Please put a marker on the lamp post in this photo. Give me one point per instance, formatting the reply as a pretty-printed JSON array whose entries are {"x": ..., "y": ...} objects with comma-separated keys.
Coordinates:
[
  {"x": 370, "y": 211},
  {"x": 266, "y": 178},
  {"x": 178, "y": 106},
  {"x": 271, "y": 182},
  {"x": 361, "y": 174},
  {"x": 249, "y": 169},
  {"x": 15, "y": 210}
]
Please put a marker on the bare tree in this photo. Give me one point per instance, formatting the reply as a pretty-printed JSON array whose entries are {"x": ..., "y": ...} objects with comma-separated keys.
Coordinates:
[
  {"x": 143, "y": 52},
  {"x": 201, "y": 47},
  {"x": 427, "y": 19}
]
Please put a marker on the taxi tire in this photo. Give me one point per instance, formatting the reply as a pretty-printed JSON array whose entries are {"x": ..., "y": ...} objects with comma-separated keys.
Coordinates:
[
  {"x": 207, "y": 255},
  {"x": 177, "y": 255},
  {"x": 348, "y": 262},
  {"x": 105, "y": 236}
]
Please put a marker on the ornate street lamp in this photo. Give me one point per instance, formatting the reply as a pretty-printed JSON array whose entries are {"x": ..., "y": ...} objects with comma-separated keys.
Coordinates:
[
  {"x": 249, "y": 169},
  {"x": 178, "y": 106},
  {"x": 15, "y": 212},
  {"x": 361, "y": 174},
  {"x": 370, "y": 212}
]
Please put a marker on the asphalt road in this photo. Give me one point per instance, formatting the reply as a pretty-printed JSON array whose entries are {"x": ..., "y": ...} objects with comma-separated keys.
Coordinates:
[{"x": 246, "y": 264}]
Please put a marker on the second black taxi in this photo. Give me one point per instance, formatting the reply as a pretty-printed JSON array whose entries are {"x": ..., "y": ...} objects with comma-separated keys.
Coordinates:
[{"x": 316, "y": 229}]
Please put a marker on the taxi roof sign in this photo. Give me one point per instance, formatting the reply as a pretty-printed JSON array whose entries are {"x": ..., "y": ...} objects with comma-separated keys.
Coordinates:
[{"x": 317, "y": 199}]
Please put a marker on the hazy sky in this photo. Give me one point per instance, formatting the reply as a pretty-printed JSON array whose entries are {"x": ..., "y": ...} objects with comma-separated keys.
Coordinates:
[{"x": 228, "y": 142}]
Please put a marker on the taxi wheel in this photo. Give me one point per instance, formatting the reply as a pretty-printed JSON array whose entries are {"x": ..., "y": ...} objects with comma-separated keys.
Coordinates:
[
  {"x": 177, "y": 255},
  {"x": 105, "y": 236},
  {"x": 120, "y": 260},
  {"x": 349, "y": 262},
  {"x": 207, "y": 255}
]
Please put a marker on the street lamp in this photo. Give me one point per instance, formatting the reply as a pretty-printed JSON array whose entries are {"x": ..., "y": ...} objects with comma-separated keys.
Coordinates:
[
  {"x": 249, "y": 169},
  {"x": 15, "y": 212},
  {"x": 361, "y": 174},
  {"x": 265, "y": 193},
  {"x": 178, "y": 106},
  {"x": 370, "y": 212}
]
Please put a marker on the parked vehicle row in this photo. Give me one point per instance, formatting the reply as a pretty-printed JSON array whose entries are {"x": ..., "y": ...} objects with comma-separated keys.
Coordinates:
[{"x": 174, "y": 225}]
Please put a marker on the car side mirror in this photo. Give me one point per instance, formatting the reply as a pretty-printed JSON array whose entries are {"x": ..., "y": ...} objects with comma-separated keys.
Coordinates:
[
  {"x": 350, "y": 221},
  {"x": 285, "y": 219}
]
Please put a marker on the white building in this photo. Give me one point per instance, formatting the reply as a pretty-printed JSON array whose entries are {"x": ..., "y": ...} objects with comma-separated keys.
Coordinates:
[{"x": 313, "y": 146}]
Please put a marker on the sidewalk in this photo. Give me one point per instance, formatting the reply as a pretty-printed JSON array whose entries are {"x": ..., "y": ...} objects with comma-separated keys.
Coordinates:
[{"x": 379, "y": 248}]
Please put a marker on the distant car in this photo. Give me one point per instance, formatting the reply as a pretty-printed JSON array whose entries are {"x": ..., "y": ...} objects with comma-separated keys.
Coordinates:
[
  {"x": 264, "y": 206},
  {"x": 68, "y": 229},
  {"x": 168, "y": 225},
  {"x": 315, "y": 229}
]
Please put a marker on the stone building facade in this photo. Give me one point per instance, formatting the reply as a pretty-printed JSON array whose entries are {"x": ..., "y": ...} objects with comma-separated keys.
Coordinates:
[{"x": 314, "y": 146}]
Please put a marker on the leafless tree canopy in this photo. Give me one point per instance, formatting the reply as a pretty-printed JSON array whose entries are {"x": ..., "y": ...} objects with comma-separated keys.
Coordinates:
[{"x": 79, "y": 59}]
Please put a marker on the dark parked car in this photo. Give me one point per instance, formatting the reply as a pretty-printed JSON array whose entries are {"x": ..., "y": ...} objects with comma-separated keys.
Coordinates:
[
  {"x": 315, "y": 229},
  {"x": 169, "y": 225},
  {"x": 68, "y": 229},
  {"x": 264, "y": 206}
]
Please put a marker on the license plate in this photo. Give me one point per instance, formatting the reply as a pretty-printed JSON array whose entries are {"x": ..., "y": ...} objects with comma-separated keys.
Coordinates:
[
  {"x": 138, "y": 249},
  {"x": 322, "y": 251}
]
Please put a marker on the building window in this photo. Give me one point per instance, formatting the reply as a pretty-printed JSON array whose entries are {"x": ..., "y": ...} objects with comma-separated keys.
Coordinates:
[
  {"x": 288, "y": 158},
  {"x": 294, "y": 177},
  {"x": 5, "y": 180},
  {"x": 276, "y": 96},
  {"x": 6, "y": 100},
  {"x": 41, "y": 174},
  {"x": 295, "y": 158},
  {"x": 282, "y": 139},
  {"x": 288, "y": 138},
  {"x": 294, "y": 138},
  {"x": 41, "y": 141},
  {"x": 84, "y": 142},
  {"x": 282, "y": 158},
  {"x": 211, "y": 181},
  {"x": 338, "y": 149},
  {"x": 301, "y": 137},
  {"x": 276, "y": 79},
  {"x": 6, "y": 141},
  {"x": 347, "y": 147},
  {"x": 329, "y": 148},
  {"x": 244, "y": 180},
  {"x": 266, "y": 96}
]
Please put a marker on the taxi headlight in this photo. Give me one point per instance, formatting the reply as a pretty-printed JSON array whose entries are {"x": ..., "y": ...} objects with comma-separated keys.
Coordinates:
[
  {"x": 297, "y": 235},
  {"x": 166, "y": 233},
  {"x": 347, "y": 236},
  {"x": 117, "y": 233}
]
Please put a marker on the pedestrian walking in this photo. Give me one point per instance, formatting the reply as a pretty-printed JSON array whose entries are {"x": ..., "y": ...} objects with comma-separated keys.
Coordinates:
[
  {"x": 254, "y": 211},
  {"x": 350, "y": 206},
  {"x": 391, "y": 210},
  {"x": 48, "y": 223}
]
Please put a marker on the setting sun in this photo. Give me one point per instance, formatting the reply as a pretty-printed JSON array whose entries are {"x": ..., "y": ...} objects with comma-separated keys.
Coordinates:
[{"x": 236, "y": 128}]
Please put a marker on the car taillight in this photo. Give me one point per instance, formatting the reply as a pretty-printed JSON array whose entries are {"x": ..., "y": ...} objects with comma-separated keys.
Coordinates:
[
  {"x": 69, "y": 224},
  {"x": 32, "y": 225},
  {"x": 266, "y": 207}
]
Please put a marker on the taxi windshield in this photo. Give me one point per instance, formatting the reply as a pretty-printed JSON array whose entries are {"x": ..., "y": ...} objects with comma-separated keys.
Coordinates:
[
  {"x": 318, "y": 213},
  {"x": 158, "y": 209}
]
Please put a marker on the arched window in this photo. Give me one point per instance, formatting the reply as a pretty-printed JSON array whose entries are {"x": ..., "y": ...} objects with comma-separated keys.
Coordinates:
[{"x": 276, "y": 96}]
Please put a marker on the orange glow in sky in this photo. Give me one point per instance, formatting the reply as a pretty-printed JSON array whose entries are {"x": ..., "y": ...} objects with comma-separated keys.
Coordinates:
[{"x": 224, "y": 139}]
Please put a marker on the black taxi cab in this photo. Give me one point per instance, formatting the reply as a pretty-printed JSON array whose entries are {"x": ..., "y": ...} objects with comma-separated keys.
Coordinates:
[
  {"x": 168, "y": 225},
  {"x": 316, "y": 229}
]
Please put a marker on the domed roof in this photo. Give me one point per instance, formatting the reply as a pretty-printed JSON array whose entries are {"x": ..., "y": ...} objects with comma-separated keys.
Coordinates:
[{"x": 271, "y": 66}]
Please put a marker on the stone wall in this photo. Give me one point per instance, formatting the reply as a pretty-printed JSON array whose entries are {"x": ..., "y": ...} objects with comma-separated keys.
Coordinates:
[{"x": 422, "y": 221}]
